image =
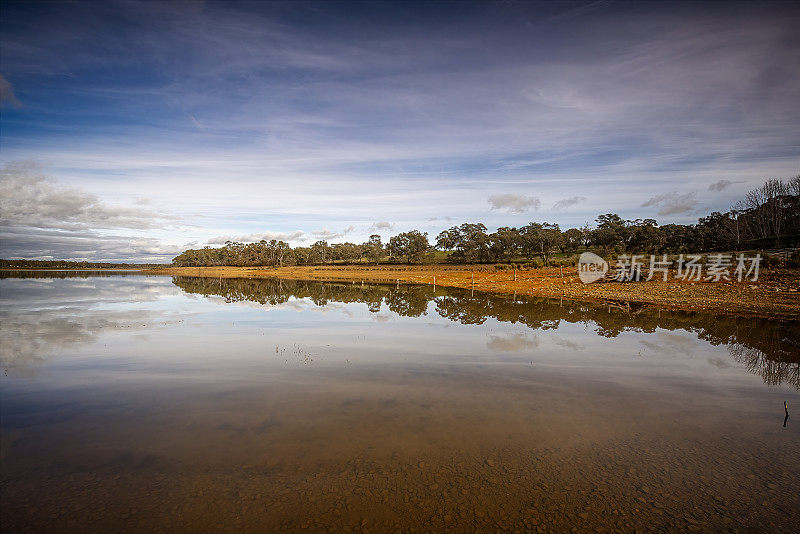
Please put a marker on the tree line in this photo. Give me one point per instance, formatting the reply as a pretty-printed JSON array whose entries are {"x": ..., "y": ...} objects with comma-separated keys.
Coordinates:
[
  {"x": 767, "y": 217},
  {"x": 64, "y": 264}
]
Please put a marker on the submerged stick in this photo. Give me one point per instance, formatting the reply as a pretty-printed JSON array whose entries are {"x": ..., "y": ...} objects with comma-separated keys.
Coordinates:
[{"x": 785, "y": 409}]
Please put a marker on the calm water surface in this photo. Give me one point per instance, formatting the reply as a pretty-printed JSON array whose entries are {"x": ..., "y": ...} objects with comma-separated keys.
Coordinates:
[{"x": 136, "y": 403}]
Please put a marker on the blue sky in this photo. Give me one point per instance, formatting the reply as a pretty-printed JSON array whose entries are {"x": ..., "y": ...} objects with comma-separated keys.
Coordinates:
[{"x": 133, "y": 130}]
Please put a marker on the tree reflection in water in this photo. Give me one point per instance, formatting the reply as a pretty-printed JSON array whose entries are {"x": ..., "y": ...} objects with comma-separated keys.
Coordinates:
[{"x": 768, "y": 348}]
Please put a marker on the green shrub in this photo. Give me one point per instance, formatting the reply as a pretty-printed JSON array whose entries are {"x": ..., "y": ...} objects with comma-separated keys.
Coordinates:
[
  {"x": 563, "y": 262},
  {"x": 535, "y": 263}
]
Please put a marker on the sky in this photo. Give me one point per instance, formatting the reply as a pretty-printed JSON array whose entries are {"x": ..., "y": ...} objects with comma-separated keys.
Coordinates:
[{"x": 130, "y": 131}]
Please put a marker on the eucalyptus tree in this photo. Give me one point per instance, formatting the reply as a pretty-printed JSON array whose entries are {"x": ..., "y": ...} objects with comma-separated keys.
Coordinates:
[
  {"x": 505, "y": 243},
  {"x": 374, "y": 248},
  {"x": 282, "y": 253},
  {"x": 611, "y": 232},
  {"x": 540, "y": 238},
  {"x": 679, "y": 238},
  {"x": 346, "y": 252},
  {"x": 412, "y": 245},
  {"x": 469, "y": 241},
  {"x": 644, "y": 236},
  {"x": 302, "y": 255},
  {"x": 320, "y": 252},
  {"x": 572, "y": 239},
  {"x": 772, "y": 209}
]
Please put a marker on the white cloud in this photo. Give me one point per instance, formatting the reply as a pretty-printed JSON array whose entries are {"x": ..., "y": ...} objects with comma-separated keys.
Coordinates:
[
  {"x": 297, "y": 235},
  {"x": 42, "y": 219},
  {"x": 381, "y": 225},
  {"x": 514, "y": 203},
  {"x": 568, "y": 202},
  {"x": 512, "y": 342},
  {"x": 568, "y": 343},
  {"x": 84, "y": 245},
  {"x": 27, "y": 339},
  {"x": 672, "y": 203},
  {"x": 721, "y": 185},
  {"x": 326, "y": 234},
  {"x": 29, "y": 198}
]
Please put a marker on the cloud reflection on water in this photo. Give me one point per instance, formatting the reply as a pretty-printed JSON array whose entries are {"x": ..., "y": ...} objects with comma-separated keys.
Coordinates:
[{"x": 45, "y": 317}]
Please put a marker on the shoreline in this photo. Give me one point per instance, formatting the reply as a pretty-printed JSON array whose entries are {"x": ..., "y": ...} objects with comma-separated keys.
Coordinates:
[{"x": 776, "y": 294}]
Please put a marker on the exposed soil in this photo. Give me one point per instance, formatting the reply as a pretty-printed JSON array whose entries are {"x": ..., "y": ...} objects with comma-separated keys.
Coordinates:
[{"x": 776, "y": 293}]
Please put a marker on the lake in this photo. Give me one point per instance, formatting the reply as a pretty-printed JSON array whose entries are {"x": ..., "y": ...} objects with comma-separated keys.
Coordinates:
[{"x": 147, "y": 403}]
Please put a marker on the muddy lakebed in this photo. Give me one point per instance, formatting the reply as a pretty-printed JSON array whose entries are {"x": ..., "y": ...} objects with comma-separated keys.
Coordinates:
[{"x": 155, "y": 403}]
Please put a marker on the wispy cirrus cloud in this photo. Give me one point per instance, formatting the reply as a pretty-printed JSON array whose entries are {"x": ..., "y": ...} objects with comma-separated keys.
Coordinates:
[{"x": 7, "y": 96}]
